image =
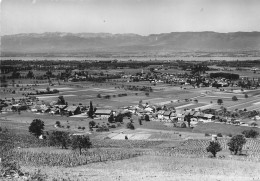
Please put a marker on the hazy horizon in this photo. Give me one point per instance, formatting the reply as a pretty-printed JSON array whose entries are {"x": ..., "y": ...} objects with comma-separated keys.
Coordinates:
[
  {"x": 142, "y": 17},
  {"x": 135, "y": 33}
]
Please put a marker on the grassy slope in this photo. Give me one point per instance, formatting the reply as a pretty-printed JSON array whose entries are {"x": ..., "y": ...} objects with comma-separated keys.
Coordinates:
[{"x": 158, "y": 168}]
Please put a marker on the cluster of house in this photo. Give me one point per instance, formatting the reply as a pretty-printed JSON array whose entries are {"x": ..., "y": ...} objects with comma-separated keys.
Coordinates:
[{"x": 170, "y": 114}]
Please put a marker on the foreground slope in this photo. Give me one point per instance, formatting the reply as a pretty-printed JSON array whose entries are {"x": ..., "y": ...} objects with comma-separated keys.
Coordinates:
[{"x": 158, "y": 168}]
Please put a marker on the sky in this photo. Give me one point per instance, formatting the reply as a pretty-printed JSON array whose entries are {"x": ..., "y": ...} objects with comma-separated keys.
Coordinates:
[{"x": 142, "y": 17}]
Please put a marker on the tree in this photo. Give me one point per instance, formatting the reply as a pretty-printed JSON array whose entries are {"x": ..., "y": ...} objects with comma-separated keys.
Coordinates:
[
  {"x": 30, "y": 74},
  {"x": 61, "y": 100},
  {"x": 92, "y": 124},
  {"x": 58, "y": 123},
  {"x": 234, "y": 98},
  {"x": 236, "y": 143},
  {"x": 119, "y": 118},
  {"x": 220, "y": 101},
  {"x": 111, "y": 118},
  {"x": 214, "y": 147},
  {"x": 140, "y": 120},
  {"x": 130, "y": 125},
  {"x": 36, "y": 127},
  {"x": 188, "y": 119},
  {"x": 91, "y": 110},
  {"x": 59, "y": 138},
  {"x": 146, "y": 117},
  {"x": 80, "y": 142},
  {"x": 250, "y": 133},
  {"x": 48, "y": 89}
]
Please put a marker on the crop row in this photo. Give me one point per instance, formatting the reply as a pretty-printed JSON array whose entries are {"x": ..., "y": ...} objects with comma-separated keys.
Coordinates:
[
  {"x": 72, "y": 159},
  {"x": 111, "y": 143}
]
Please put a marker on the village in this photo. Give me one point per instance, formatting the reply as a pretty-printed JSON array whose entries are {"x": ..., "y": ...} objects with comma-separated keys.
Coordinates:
[{"x": 214, "y": 96}]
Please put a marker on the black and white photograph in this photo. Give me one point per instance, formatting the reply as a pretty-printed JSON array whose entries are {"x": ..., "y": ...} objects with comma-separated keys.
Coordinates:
[{"x": 129, "y": 90}]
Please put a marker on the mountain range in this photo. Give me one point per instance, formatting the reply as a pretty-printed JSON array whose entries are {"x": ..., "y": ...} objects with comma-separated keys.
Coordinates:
[{"x": 72, "y": 43}]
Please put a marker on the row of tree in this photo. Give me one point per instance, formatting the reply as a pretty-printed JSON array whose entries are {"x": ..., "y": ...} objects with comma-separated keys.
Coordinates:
[{"x": 60, "y": 138}]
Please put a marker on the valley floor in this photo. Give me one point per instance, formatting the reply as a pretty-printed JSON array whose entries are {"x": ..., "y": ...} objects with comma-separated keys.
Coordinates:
[{"x": 161, "y": 168}]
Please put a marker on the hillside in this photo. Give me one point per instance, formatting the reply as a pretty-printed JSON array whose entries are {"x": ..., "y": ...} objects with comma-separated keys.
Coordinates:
[{"x": 66, "y": 43}]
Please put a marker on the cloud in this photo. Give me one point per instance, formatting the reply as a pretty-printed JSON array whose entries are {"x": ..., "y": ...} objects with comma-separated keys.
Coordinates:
[{"x": 33, "y": 1}]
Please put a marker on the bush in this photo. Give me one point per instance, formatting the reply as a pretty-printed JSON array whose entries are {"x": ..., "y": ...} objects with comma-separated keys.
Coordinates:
[
  {"x": 220, "y": 101},
  {"x": 183, "y": 125},
  {"x": 113, "y": 126},
  {"x": 92, "y": 124},
  {"x": 57, "y": 123},
  {"x": 207, "y": 134},
  {"x": 234, "y": 98},
  {"x": 130, "y": 125},
  {"x": 230, "y": 135},
  {"x": 219, "y": 135},
  {"x": 102, "y": 129},
  {"x": 250, "y": 133}
]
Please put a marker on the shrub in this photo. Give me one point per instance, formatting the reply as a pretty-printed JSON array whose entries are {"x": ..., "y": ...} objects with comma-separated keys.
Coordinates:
[
  {"x": 219, "y": 135},
  {"x": 213, "y": 148},
  {"x": 57, "y": 123},
  {"x": 102, "y": 129},
  {"x": 130, "y": 125},
  {"x": 220, "y": 101},
  {"x": 250, "y": 133},
  {"x": 79, "y": 127},
  {"x": 230, "y": 135},
  {"x": 113, "y": 126},
  {"x": 92, "y": 124},
  {"x": 207, "y": 134},
  {"x": 246, "y": 96},
  {"x": 183, "y": 125},
  {"x": 234, "y": 98}
]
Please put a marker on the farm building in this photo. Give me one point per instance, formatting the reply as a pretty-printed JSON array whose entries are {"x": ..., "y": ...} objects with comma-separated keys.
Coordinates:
[
  {"x": 160, "y": 114},
  {"x": 180, "y": 117},
  {"x": 173, "y": 116},
  {"x": 166, "y": 115},
  {"x": 103, "y": 113},
  {"x": 72, "y": 110}
]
